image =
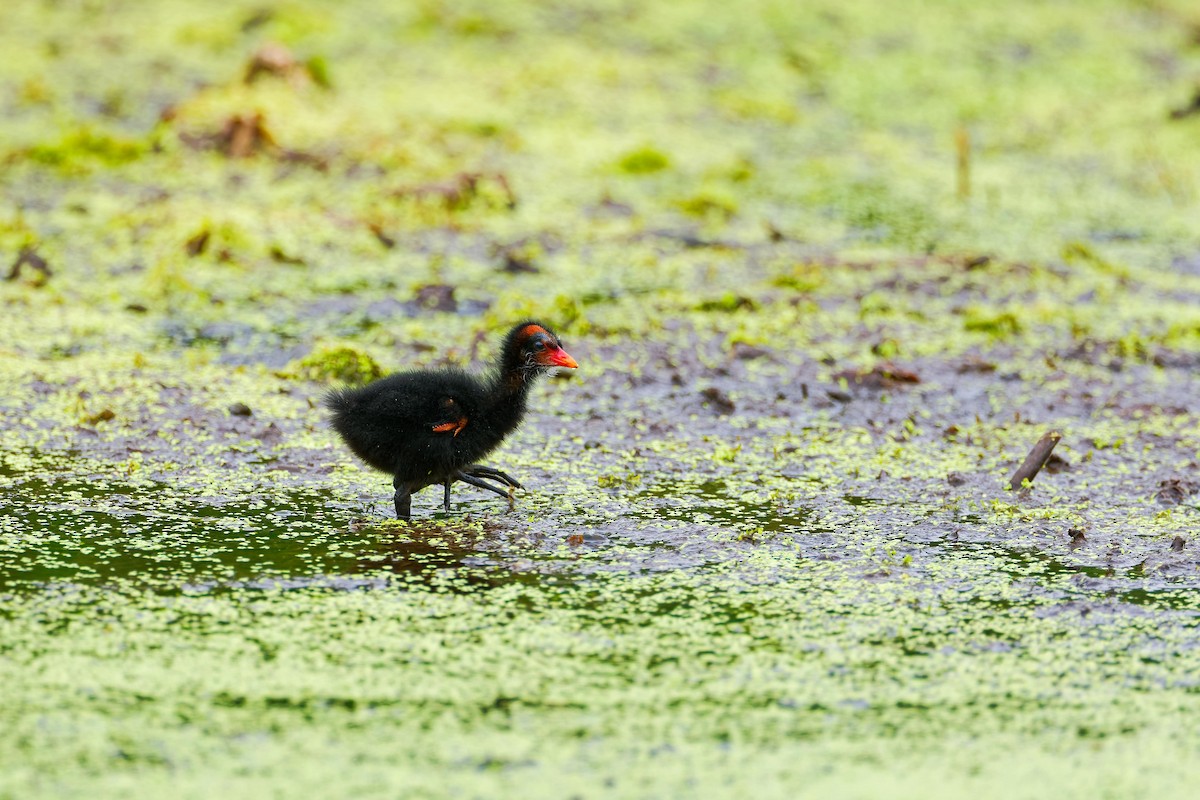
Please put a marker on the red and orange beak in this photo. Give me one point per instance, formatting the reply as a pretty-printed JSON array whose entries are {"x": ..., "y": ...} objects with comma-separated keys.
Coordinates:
[{"x": 557, "y": 357}]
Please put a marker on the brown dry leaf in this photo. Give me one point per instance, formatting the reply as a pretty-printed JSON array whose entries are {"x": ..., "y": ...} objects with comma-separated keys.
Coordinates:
[
  {"x": 273, "y": 58},
  {"x": 436, "y": 297},
  {"x": 243, "y": 136},
  {"x": 196, "y": 245},
  {"x": 1174, "y": 491},
  {"x": 720, "y": 401},
  {"x": 881, "y": 376}
]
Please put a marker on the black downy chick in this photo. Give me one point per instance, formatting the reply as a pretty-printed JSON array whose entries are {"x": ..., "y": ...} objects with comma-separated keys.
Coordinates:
[{"x": 427, "y": 428}]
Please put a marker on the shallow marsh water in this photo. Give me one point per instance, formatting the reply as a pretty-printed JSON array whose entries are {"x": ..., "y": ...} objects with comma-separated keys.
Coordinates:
[{"x": 766, "y": 546}]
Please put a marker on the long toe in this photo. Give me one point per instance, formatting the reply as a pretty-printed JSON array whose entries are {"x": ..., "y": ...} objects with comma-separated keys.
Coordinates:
[
  {"x": 480, "y": 471},
  {"x": 509, "y": 479},
  {"x": 503, "y": 491}
]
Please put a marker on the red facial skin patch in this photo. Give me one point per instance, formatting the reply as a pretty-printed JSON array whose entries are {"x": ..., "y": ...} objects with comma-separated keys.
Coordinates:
[{"x": 529, "y": 331}]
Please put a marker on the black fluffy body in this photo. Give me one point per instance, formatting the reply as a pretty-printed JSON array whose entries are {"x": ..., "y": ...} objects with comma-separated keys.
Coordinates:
[{"x": 393, "y": 423}]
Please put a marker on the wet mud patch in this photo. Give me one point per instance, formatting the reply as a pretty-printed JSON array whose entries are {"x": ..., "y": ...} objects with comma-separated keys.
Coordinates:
[
  {"x": 70, "y": 532},
  {"x": 146, "y": 536}
]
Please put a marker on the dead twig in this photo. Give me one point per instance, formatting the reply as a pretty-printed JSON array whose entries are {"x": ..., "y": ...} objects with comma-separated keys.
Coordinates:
[
  {"x": 462, "y": 190},
  {"x": 1036, "y": 459},
  {"x": 28, "y": 257},
  {"x": 962, "y": 147}
]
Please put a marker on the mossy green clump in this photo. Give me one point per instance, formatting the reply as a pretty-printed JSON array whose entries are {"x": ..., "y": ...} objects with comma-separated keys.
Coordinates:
[
  {"x": 801, "y": 278},
  {"x": 87, "y": 147},
  {"x": 343, "y": 363},
  {"x": 727, "y": 303},
  {"x": 1000, "y": 325},
  {"x": 614, "y": 481},
  {"x": 318, "y": 69},
  {"x": 708, "y": 204},
  {"x": 643, "y": 161}
]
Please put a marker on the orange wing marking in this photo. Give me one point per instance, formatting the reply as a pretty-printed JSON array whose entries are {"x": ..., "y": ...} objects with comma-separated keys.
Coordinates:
[{"x": 446, "y": 427}]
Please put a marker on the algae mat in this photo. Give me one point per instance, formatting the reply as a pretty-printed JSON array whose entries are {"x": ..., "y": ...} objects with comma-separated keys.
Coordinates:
[{"x": 829, "y": 275}]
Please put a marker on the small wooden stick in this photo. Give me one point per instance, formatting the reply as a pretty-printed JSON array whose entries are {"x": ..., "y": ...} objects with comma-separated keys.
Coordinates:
[
  {"x": 962, "y": 145},
  {"x": 1036, "y": 459}
]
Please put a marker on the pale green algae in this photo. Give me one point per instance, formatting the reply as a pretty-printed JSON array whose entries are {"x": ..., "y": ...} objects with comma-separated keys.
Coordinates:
[
  {"x": 786, "y": 601},
  {"x": 612, "y": 685}
]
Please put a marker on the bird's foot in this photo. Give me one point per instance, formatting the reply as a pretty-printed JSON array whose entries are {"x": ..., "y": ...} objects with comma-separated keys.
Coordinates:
[
  {"x": 480, "y": 471},
  {"x": 504, "y": 491}
]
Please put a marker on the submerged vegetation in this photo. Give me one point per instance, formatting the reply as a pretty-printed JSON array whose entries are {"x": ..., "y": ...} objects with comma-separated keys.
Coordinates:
[{"x": 829, "y": 276}]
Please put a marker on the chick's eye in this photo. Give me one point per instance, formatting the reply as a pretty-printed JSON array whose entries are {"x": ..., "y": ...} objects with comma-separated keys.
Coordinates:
[{"x": 538, "y": 345}]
